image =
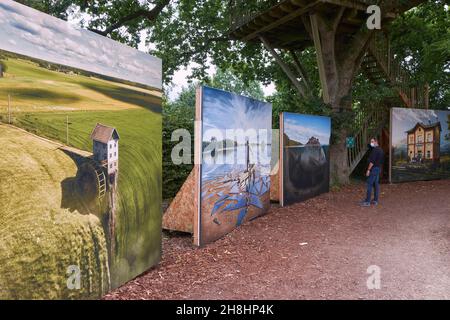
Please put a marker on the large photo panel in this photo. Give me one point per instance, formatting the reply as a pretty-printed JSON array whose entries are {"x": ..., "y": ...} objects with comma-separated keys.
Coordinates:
[
  {"x": 420, "y": 144},
  {"x": 234, "y": 142},
  {"x": 80, "y": 167},
  {"x": 305, "y": 143}
]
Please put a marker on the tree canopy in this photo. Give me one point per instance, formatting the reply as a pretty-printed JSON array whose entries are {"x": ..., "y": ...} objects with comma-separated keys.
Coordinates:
[
  {"x": 422, "y": 38},
  {"x": 192, "y": 32}
]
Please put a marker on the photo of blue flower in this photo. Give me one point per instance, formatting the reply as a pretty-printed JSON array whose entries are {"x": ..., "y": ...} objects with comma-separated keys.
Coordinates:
[{"x": 236, "y": 152}]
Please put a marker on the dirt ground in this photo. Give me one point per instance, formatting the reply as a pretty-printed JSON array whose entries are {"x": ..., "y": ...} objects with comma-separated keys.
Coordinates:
[{"x": 319, "y": 249}]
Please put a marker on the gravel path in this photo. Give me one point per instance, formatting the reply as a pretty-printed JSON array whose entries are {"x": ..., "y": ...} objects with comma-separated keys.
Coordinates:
[{"x": 319, "y": 249}]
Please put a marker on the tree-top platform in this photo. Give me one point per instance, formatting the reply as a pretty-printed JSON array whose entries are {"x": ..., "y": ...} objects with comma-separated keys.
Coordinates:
[{"x": 283, "y": 23}]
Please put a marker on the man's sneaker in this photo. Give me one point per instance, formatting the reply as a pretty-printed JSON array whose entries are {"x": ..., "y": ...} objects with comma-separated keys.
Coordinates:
[
  {"x": 365, "y": 204},
  {"x": 375, "y": 203}
]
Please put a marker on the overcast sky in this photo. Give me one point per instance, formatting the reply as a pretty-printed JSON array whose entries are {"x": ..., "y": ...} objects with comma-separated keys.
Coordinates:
[
  {"x": 32, "y": 33},
  {"x": 240, "y": 112},
  {"x": 180, "y": 78},
  {"x": 405, "y": 119},
  {"x": 38, "y": 35}
]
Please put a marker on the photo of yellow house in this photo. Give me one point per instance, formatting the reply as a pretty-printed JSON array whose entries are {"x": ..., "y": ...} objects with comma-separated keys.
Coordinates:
[{"x": 424, "y": 141}]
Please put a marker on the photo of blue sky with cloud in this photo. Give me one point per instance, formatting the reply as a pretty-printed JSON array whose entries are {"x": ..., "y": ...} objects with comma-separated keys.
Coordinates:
[
  {"x": 301, "y": 127},
  {"x": 405, "y": 119},
  {"x": 243, "y": 119},
  {"x": 40, "y": 36},
  {"x": 223, "y": 110}
]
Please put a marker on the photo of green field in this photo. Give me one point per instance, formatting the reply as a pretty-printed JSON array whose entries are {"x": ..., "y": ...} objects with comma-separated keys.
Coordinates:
[
  {"x": 47, "y": 113},
  {"x": 38, "y": 238}
]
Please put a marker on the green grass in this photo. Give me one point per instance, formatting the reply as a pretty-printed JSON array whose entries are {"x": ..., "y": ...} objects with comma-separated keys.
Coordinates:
[
  {"x": 39, "y": 238},
  {"x": 33, "y": 88},
  {"x": 138, "y": 219},
  {"x": 138, "y": 121}
]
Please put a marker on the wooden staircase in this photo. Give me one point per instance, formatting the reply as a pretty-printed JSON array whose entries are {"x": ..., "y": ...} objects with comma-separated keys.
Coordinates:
[
  {"x": 381, "y": 66},
  {"x": 368, "y": 123}
]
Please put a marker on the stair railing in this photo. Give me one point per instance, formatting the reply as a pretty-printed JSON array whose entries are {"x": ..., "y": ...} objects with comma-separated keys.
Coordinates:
[
  {"x": 369, "y": 122},
  {"x": 242, "y": 11},
  {"x": 413, "y": 95}
]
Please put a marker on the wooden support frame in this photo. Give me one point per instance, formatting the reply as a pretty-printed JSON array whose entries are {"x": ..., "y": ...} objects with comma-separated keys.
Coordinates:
[
  {"x": 184, "y": 214},
  {"x": 287, "y": 70},
  {"x": 281, "y": 166},
  {"x": 318, "y": 46},
  {"x": 390, "y": 145},
  {"x": 179, "y": 216},
  {"x": 282, "y": 20},
  {"x": 348, "y": 4},
  {"x": 275, "y": 167},
  {"x": 427, "y": 96},
  {"x": 198, "y": 155},
  {"x": 301, "y": 71}
]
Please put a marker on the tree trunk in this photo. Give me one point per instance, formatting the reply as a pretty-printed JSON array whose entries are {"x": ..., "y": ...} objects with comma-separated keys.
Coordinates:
[
  {"x": 341, "y": 105},
  {"x": 340, "y": 60},
  {"x": 339, "y": 167},
  {"x": 339, "y": 173}
]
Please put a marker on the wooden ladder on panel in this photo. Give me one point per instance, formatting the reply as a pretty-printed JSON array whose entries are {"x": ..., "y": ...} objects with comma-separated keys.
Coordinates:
[{"x": 101, "y": 178}]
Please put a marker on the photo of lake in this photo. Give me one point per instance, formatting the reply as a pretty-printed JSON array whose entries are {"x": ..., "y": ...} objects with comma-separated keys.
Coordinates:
[
  {"x": 305, "y": 165},
  {"x": 235, "y": 167}
]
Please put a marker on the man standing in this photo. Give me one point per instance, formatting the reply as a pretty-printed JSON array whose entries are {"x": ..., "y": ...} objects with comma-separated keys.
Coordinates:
[{"x": 376, "y": 160}]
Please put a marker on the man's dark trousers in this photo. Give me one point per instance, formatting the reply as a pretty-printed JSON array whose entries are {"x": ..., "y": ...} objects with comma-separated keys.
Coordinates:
[{"x": 373, "y": 181}]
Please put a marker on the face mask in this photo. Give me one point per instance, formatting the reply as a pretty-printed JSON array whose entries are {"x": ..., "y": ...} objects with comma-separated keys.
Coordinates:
[{"x": 372, "y": 145}]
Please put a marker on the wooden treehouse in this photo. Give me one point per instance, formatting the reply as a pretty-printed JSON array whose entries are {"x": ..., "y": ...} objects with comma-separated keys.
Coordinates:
[{"x": 288, "y": 27}]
